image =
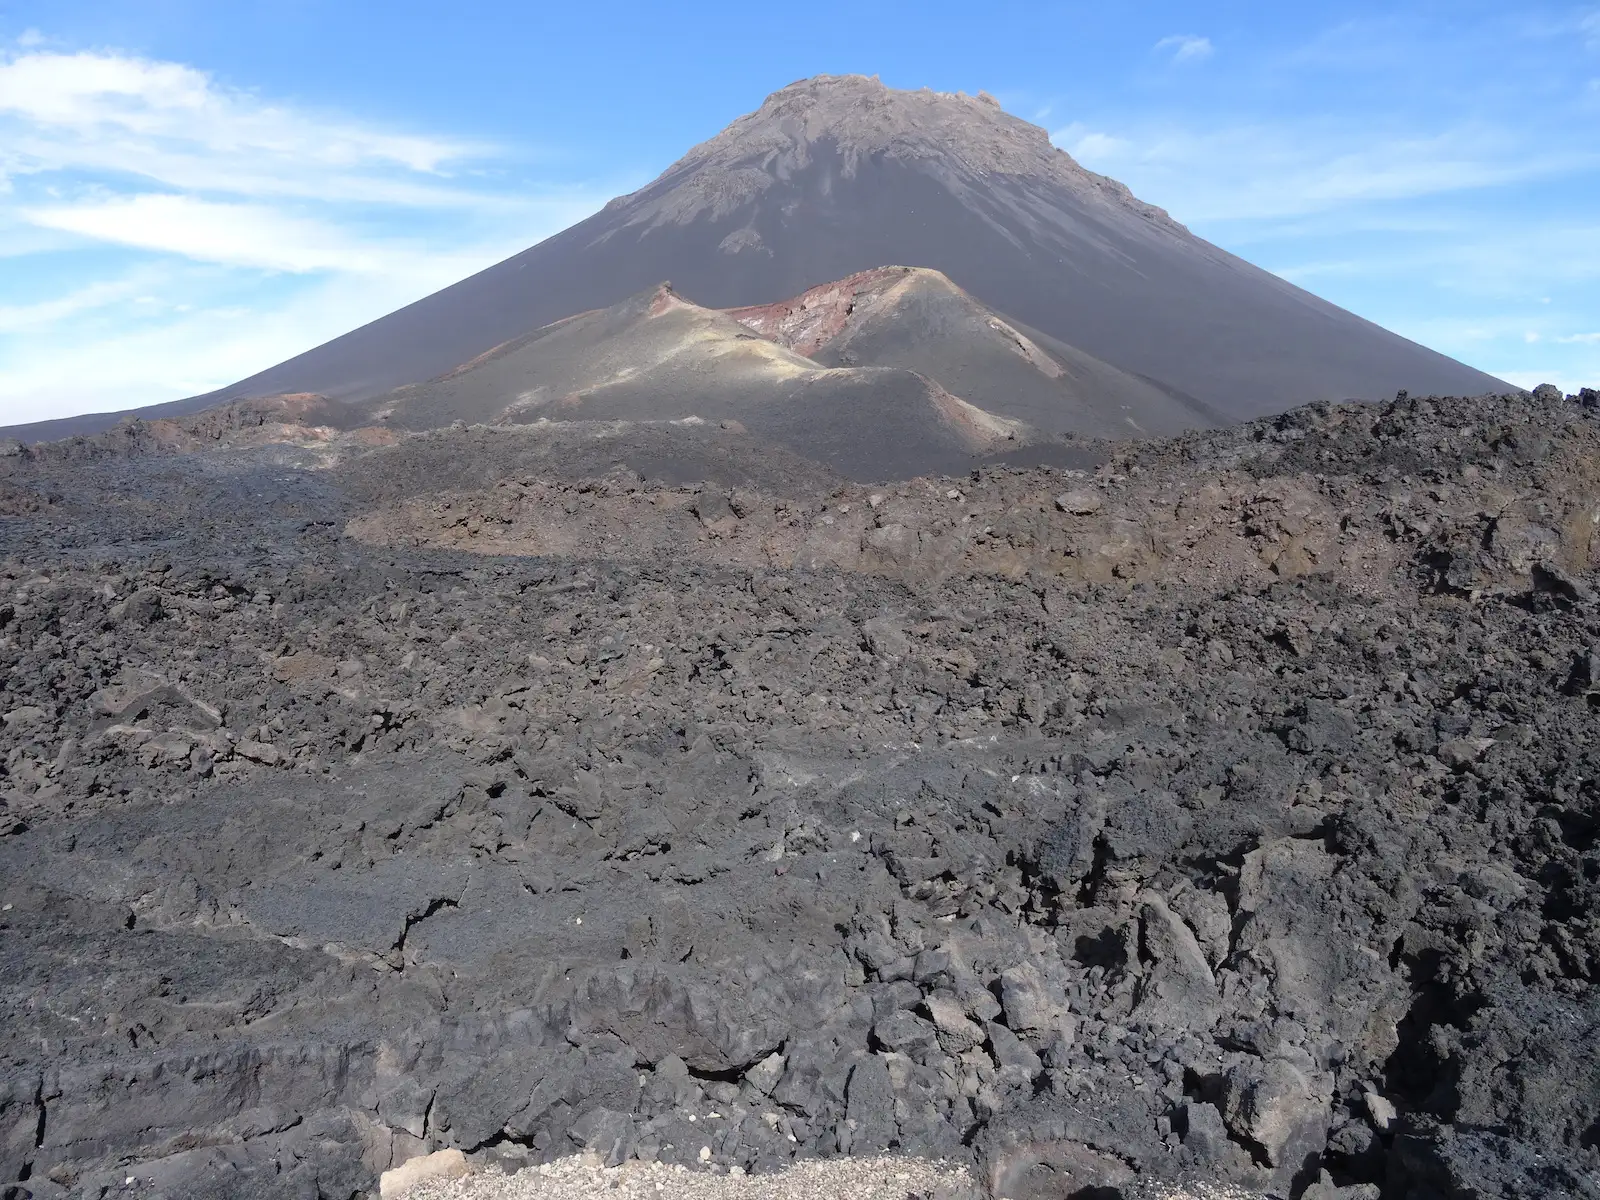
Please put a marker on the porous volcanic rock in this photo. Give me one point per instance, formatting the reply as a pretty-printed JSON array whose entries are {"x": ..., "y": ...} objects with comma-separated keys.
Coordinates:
[{"x": 482, "y": 792}]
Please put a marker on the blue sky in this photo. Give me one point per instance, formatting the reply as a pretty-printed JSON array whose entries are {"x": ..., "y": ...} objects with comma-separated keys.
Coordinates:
[{"x": 192, "y": 190}]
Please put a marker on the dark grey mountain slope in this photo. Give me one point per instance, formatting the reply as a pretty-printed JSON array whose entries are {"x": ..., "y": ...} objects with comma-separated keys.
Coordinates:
[{"x": 837, "y": 175}]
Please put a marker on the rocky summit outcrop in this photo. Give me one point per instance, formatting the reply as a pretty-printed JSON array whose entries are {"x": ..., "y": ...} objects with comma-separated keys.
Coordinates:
[
  {"x": 1221, "y": 811},
  {"x": 837, "y": 175}
]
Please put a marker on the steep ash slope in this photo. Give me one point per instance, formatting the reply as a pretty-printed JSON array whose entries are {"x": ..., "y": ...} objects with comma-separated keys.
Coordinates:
[
  {"x": 1226, "y": 814},
  {"x": 836, "y": 175}
]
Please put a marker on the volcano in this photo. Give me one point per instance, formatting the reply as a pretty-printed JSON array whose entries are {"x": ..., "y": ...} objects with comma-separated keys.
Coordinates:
[
  {"x": 838, "y": 175},
  {"x": 889, "y": 373}
]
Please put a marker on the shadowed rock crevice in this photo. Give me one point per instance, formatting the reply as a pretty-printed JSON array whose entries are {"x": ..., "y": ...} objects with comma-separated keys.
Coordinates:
[{"x": 1103, "y": 828}]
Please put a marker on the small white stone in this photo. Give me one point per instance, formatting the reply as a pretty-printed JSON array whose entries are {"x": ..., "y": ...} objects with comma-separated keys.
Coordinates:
[
  {"x": 1079, "y": 501},
  {"x": 705, "y": 1154},
  {"x": 1382, "y": 1111}
]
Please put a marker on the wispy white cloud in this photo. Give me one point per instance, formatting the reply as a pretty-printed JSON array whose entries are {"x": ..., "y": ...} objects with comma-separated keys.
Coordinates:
[
  {"x": 88, "y": 95},
  {"x": 195, "y": 166},
  {"x": 175, "y": 127},
  {"x": 1088, "y": 145},
  {"x": 246, "y": 235},
  {"x": 166, "y": 234},
  {"x": 1251, "y": 172},
  {"x": 1473, "y": 259},
  {"x": 23, "y": 318},
  {"x": 1589, "y": 27},
  {"x": 164, "y": 331},
  {"x": 1185, "y": 47}
]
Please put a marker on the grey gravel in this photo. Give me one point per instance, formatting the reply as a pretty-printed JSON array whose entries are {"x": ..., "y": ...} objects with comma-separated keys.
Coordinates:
[
  {"x": 583, "y": 1176},
  {"x": 886, "y": 1178}
]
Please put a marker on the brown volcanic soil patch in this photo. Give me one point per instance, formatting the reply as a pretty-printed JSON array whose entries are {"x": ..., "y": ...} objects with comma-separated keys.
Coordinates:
[{"x": 998, "y": 523}]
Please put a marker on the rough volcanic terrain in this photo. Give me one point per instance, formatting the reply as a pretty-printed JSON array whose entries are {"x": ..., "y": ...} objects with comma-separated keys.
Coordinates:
[
  {"x": 838, "y": 175},
  {"x": 1223, "y": 812}
]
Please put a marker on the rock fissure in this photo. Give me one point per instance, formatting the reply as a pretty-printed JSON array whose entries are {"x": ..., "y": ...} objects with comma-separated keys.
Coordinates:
[{"x": 1130, "y": 852}]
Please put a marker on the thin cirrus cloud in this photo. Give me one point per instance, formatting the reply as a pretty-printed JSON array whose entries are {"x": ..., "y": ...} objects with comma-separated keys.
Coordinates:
[
  {"x": 173, "y": 126},
  {"x": 24, "y": 318},
  {"x": 1533, "y": 337},
  {"x": 165, "y": 234},
  {"x": 243, "y": 235},
  {"x": 79, "y": 100},
  {"x": 1250, "y": 173},
  {"x": 1185, "y": 47}
]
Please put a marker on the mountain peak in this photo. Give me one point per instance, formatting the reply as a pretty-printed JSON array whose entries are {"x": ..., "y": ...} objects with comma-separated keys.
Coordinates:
[
  {"x": 840, "y": 174},
  {"x": 861, "y": 116},
  {"x": 864, "y": 89},
  {"x": 962, "y": 141}
]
